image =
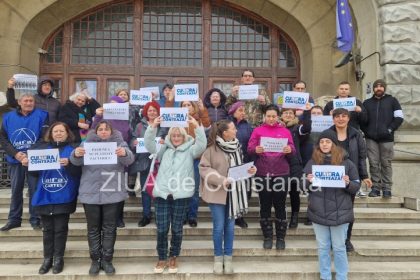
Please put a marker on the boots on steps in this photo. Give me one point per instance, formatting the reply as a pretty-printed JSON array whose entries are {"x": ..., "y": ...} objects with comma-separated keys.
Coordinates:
[
  {"x": 228, "y": 266},
  {"x": 218, "y": 265},
  {"x": 281, "y": 227},
  {"x": 294, "y": 220},
  {"x": 46, "y": 265},
  {"x": 267, "y": 230}
]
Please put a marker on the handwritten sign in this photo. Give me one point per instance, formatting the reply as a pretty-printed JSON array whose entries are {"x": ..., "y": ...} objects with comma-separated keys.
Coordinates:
[
  {"x": 346, "y": 103},
  {"x": 240, "y": 172},
  {"x": 116, "y": 111},
  {"x": 174, "y": 117},
  {"x": 273, "y": 145},
  {"x": 100, "y": 153},
  {"x": 186, "y": 92},
  {"x": 295, "y": 100},
  {"x": 45, "y": 159},
  {"x": 141, "y": 149},
  {"x": 26, "y": 82},
  {"x": 248, "y": 92},
  {"x": 321, "y": 123},
  {"x": 140, "y": 97},
  {"x": 328, "y": 176}
]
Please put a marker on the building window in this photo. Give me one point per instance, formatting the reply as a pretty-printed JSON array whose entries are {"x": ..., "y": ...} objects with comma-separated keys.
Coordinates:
[
  {"x": 104, "y": 37},
  {"x": 172, "y": 33},
  {"x": 55, "y": 49},
  {"x": 286, "y": 56}
]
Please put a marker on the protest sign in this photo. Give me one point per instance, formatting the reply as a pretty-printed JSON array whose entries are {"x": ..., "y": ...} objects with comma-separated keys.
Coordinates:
[
  {"x": 141, "y": 149},
  {"x": 174, "y": 117},
  {"x": 97, "y": 153},
  {"x": 346, "y": 103},
  {"x": 321, "y": 123},
  {"x": 116, "y": 111},
  {"x": 328, "y": 176},
  {"x": 45, "y": 159},
  {"x": 295, "y": 100},
  {"x": 186, "y": 92},
  {"x": 25, "y": 82},
  {"x": 273, "y": 145},
  {"x": 142, "y": 96},
  {"x": 240, "y": 172},
  {"x": 248, "y": 92}
]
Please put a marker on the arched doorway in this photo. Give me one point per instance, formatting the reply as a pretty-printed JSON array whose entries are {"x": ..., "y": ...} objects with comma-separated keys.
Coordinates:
[{"x": 151, "y": 42}]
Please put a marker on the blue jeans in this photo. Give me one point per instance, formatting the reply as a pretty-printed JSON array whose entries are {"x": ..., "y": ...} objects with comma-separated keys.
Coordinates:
[
  {"x": 17, "y": 174},
  {"x": 223, "y": 230},
  {"x": 195, "y": 199},
  {"x": 146, "y": 199},
  {"x": 335, "y": 236}
]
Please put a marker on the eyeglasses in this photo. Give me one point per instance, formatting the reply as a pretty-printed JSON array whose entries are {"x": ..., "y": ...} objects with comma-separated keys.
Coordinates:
[
  {"x": 247, "y": 76},
  {"x": 288, "y": 113}
]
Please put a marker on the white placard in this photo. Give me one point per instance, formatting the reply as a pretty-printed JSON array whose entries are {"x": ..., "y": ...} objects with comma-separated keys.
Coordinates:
[
  {"x": 45, "y": 159},
  {"x": 273, "y": 145},
  {"x": 98, "y": 153},
  {"x": 346, "y": 103},
  {"x": 141, "y": 148},
  {"x": 116, "y": 111},
  {"x": 240, "y": 172},
  {"x": 248, "y": 92},
  {"x": 328, "y": 176},
  {"x": 186, "y": 92},
  {"x": 140, "y": 97},
  {"x": 25, "y": 81},
  {"x": 295, "y": 100},
  {"x": 174, "y": 117},
  {"x": 321, "y": 123}
]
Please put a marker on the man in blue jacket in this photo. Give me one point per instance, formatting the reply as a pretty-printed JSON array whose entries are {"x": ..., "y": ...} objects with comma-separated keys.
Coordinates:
[
  {"x": 20, "y": 130},
  {"x": 384, "y": 117}
]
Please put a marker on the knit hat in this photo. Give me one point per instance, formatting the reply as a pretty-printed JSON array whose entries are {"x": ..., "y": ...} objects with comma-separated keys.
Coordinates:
[
  {"x": 235, "y": 107},
  {"x": 330, "y": 134},
  {"x": 379, "y": 82},
  {"x": 116, "y": 99},
  {"x": 154, "y": 104}
]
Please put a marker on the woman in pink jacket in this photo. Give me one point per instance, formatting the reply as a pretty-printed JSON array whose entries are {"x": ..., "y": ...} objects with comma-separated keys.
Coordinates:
[{"x": 273, "y": 171}]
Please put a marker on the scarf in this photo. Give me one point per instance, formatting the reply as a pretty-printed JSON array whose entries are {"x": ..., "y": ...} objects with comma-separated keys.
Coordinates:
[{"x": 237, "y": 195}]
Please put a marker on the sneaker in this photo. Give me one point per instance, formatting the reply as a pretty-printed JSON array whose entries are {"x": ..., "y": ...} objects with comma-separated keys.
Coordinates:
[
  {"x": 240, "y": 222},
  {"x": 120, "y": 224},
  {"x": 173, "y": 266},
  {"x": 144, "y": 222},
  {"x": 374, "y": 193},
  {"x": 192, "y": 222},
  {"x": 361, "y": 194},
  {"x": 349, "y": 246},
  {"x": 160, "y": 266},
  {"x": 386, "y": 194}
]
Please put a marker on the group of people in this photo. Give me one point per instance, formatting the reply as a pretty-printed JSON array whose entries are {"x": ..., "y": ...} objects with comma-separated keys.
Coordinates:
[{"x": 222, "y": 132}]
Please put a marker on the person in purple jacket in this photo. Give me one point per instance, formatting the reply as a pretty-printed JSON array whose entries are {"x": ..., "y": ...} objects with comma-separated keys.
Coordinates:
[{"x": 271, "y": 180}]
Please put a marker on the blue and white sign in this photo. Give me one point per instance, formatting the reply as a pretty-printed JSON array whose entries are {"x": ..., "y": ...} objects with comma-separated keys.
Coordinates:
[
  {"x": 295, "y": 100},
  {"x": 174, "y": 117},
  {"x": 321, "y": 123},
  {"x": 328, "y": 176},
  {"x": 45, "y": 159},
  {"x": 140, "y": 97},
  {"x": 141, "y": 149},
  {"x": 97, "y": 153},
  {"x": 248, "y": 92},
  {"x": 186, "y": 92},
  {"x": 116, "y": 111},
  {"x": 346, "y": 103}
]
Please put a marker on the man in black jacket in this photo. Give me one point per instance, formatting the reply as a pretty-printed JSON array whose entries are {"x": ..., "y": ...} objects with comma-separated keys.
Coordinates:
[{"x": 384, "y": 117}]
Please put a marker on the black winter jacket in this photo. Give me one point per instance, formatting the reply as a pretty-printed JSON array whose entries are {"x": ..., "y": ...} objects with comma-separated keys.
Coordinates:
[
  {"x": 384, "y": 117},
  {"x": 216, "y": 113},
  {"x": 333, "y": 206},
  {"x": 356, "y": 119}
]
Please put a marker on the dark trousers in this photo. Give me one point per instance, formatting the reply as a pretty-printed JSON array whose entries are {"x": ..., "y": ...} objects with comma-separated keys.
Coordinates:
[
  {"x": 294, "y": 197},
  {"x": 272, "y": 192},
  {"x": 18, "y": 174},
  {"x": 102, "y": 229},
  {"x": 55, "y": 229},
  {"x": 350, "y": 228}
]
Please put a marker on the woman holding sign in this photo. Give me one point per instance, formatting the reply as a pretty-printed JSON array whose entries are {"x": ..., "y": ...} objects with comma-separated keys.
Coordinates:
[
  {"x": 273, "y": 146},
  {"x": 330, "y": 208},
  {"x": 55, "y": 197},
  {"x": 102, "y": 189},
  {"x": 174, "y": 185},
  {"x": 227, "y": 200}
]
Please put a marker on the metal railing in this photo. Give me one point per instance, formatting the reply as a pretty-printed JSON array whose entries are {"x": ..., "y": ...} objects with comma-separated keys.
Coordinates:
[{"x": 4, "y": 178}]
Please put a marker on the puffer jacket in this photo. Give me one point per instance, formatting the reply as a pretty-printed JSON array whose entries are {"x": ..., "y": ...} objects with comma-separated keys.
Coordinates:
[
  {"x": 176, "y": 171},
  {"x": 92, "y": 189},
  {"x": 216, "y": 113},
  {"x": 333, "y": 206}
]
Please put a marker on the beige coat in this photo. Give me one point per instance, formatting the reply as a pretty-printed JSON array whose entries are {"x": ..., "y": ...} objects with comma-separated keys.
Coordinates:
[{"x": 213, "y": 167}]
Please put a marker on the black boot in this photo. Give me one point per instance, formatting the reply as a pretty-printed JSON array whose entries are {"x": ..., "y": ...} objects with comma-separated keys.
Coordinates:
[
  {"x": 46, "y": 265},
  {"x": 267, "y": 229},
  {"x": 294, "y": 220},
  {"x": 281, "y": 227},
  {"x": 108, "y": 267},
  {"x": 58, "y": 265},
  {"x": 95, "y": 267},
  {"x": 108, "y": 242}
]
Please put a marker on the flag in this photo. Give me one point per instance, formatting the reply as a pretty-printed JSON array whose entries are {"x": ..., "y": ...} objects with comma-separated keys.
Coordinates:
[{"x": 344, "y": 26}]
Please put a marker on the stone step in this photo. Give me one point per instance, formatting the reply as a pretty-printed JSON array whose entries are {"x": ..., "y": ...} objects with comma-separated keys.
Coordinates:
[
  {"x": 203, "y": 270},
  {"x": 361, "y": 231},
  {"x": 365, "y": 250}
]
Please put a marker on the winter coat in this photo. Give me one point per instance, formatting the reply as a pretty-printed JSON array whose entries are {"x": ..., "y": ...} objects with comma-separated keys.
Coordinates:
[
  {"x": 92, "y": 184},
  {"x": 216, "y": 113},
  {"x": 356, "y": 151},
  {"x": 56, "y": 190},
  {"x": 333, "y": 206},
  {"x": 384, "y": 117},
  {"x": 356, "y": 118},
  {"x": 267, "y": 163},
  {"x": 243, "y": 133},
  {"x": 18, "y": 132},
  {"x": 176, "y": 171}
]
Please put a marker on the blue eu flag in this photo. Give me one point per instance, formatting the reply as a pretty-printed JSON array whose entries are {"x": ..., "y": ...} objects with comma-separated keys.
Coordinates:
[{"x": 344, "y": 26}]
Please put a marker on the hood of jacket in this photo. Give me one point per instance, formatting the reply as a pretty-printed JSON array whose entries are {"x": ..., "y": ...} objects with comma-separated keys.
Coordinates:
[
  {"x": 116, "y": 136},
  {"x": 41, "y": 81},
  {"x": 207, "y": 98}
]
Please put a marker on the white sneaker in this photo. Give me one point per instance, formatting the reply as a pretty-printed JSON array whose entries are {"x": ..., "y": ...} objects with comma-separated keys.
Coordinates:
[{"x": 361, "y": 194}]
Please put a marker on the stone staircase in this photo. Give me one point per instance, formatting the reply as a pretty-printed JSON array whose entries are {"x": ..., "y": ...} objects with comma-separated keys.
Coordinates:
[{"x": 386, "y": 237}]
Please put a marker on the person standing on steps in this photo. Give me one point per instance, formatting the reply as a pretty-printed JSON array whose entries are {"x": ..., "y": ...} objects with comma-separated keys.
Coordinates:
[
  {"x": 385, "y": 116},
  {"x": 215, "y": 102},
  {"x": 226, "y": 199}
]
